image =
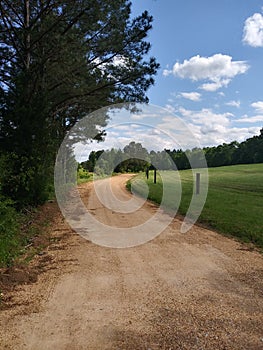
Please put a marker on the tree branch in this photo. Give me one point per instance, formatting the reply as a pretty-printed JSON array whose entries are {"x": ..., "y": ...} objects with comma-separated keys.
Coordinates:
[
  {"x": 79, "y": 15},
  {"x": 112, "y": 83},
  {"x": 47, "y": 31},
  {"x": 9, "y": 4},
  {"x": 3, "y": 81},
  {"x": 10, "y": 34},
  {"x": 33, "y": 22}
]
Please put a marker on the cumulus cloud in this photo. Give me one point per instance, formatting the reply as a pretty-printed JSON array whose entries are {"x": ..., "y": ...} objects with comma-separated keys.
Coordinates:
[
  {"x": 193, "y": 96},
  {"x": 169, "y": 108},
  {"x": 141, "y": 116},
  {"x": 206, "y": 117},
  {"x": 254, "y": 119},
  {"x": 253, "y": 30},
  {"x": 233, "y": 104},
  {"x": 216, "y": 70},
  {"x": 211, "y": 128},
  {"x": 258, "y": 106},
  {"x": 215, "y": 86}
]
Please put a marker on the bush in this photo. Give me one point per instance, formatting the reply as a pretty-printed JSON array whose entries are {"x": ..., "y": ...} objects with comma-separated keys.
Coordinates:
[
  {"x": 83, "y": 175},
  {"x": 24, "y": 179}
]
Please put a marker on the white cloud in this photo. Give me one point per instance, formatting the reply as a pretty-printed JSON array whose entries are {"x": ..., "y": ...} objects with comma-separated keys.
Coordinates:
[
  {"x": 253, "y": 31},
  {"x": 141, "y": 116},
  {"x": 193, "y": 96},
  {"x": 208, "y": 127},
  {"x": 166, "y": 72},
  {"x": 124, "y": 127},
  {"x": 215, "y": 86},
  {"x": 169, "y": 108},
  {"x": 117, "y": 61},
  {"x": 120, "y": 60},
  {"x": 216, "y": 70},
  {"x": 258, "y": 106},
  {"x": 233, "y": 104},
  {"x": 183, "y": 129},
  {"x": 206, "y": 117},
  {"x": 254, "y": 119}
]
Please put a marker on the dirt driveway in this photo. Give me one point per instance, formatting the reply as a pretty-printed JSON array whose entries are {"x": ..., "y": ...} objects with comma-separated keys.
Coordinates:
[{"x": 197, "y": 290}]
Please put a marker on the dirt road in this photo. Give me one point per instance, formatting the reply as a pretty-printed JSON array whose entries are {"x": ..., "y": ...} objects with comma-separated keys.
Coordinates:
[{"x": 197, "y": 290}]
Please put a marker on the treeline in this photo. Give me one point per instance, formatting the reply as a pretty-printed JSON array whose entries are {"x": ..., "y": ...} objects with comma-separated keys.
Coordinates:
[
  {"x": 134, "y": 157},
  {"x": 247, "y": 152}
]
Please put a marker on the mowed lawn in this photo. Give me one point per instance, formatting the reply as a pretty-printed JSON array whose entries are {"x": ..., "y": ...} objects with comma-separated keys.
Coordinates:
[{"x": 234, "y": 203}]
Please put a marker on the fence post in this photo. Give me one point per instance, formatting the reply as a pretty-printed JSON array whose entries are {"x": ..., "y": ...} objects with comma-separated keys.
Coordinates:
[
  {"x": 147, "y": 173},
  {"x": 154, "y": 178},
  {"x": 197, "y": 183}
]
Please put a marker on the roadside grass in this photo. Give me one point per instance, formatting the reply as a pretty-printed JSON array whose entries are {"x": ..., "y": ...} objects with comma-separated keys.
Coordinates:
[
  {"x": 18, "y": 228},
  {"x": 84, "y": 176},
  {"x": 10, "y": 242},
  {"x": 19, "y": 231},
  {"x": 234, "y": 204},
  {"x": 22, "y": 234}
]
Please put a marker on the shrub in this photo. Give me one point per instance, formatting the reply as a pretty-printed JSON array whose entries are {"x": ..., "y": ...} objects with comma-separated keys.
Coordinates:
[{"x": 83, "y": 175}]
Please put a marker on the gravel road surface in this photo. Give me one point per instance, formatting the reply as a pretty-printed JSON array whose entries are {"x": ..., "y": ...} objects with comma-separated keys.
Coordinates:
[{"x": 198, "y": 290}]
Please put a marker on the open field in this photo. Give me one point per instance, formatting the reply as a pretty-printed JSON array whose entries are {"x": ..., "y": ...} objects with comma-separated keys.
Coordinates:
[{"x": 234, "y": 203}]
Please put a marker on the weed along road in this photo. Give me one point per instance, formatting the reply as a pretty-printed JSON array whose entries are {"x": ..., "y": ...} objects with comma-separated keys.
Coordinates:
[{"x": 198, "y": 290}]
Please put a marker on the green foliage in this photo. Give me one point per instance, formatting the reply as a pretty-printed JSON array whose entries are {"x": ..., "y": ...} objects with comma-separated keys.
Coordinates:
[
  {"x": 234, "y": 201},
  {"x": 132, "y": 159},
  {"x": 83, "y": 175},
  {"x": 25, "y": 180},
  {"x": 248, "y": 152},
  {"x": 135, "y": 158},
  {"x": 59, "y": 62},
  {"x": 9, "y": 241}
]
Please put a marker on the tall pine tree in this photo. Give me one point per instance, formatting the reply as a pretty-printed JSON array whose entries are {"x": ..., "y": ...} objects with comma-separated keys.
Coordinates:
[{"x": 59, "y": 61}]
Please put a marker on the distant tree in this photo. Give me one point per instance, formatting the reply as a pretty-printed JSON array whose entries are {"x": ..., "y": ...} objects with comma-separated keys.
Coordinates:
[
  {"x": 251, "y": 150},
  {"x": 89, "y": 164},
  {"x": 138, "y": 157},
  {"x": 180, "y": 159},
  {"x": 134, "y": 157}
]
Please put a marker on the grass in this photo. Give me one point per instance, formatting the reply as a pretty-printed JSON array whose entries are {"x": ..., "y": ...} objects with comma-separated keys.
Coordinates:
[
  {"x": 22, "y": 234},
  {"x": 84, "y": 176},
  {"x": 234, "y": 203},
  {"x": 18, "y": 229},
  {"x": 9, "y": 240}
]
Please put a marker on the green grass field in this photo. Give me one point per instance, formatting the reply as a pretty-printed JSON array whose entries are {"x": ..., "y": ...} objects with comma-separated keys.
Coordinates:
[{"x": 234, "y": 204}]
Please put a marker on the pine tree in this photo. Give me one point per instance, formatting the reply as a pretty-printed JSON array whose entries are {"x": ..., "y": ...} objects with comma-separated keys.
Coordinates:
[{"x": 59, "y": 61}]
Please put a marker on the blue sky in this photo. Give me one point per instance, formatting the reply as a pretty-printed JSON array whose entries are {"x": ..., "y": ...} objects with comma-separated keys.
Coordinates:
[
  {"x": 211, "y": 56},
  {"x": 211, "y": 76}
]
